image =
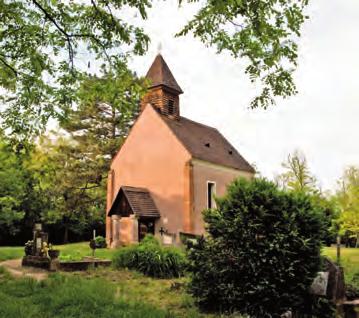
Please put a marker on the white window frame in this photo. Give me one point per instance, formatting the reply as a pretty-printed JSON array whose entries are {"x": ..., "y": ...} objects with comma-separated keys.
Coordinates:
[{"x": 214, "y": 192}]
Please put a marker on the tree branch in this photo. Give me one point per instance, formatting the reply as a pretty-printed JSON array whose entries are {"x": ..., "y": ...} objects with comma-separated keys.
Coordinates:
[
  {"x": 67, "y": 36},
  {"x": 89, "y": 35},
  {"x": 236, "y": 24},
  {"x": 89, "y": 187},
  {"x": 9, "y": 66}
]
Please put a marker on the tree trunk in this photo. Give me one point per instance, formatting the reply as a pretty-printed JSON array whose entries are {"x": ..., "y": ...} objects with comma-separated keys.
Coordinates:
[
  {"x": 357, "y": 242},
  {"x": 66, "y": 234},
  {"x": 113, "y": 123}
]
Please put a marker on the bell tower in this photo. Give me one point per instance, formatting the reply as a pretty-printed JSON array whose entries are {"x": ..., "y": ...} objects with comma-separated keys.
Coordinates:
[{"x": 163, "y": 92}]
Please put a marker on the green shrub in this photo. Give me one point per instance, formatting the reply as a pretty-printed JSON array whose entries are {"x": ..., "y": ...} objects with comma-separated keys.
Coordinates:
[
  {"x": 150, "y": 239},
  {"x": 100, "y": 242},
  {"x": 262, "y": 251},
  {"x": 150, "y": 258},
  {"x": 351, "y": 292}
]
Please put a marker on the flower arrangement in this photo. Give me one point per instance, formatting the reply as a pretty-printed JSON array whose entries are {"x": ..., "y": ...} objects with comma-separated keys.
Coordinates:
[
  {"x": 29, "y": 247},
  {"x": 52, "y": 253}
]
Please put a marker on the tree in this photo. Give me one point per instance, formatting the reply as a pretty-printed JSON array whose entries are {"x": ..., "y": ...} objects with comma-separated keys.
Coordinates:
[
  {"x": 43, "y": 44},
  {"x": 78, "y": 163},
  {"x": 328, "y": 204},
  {"x": 73, "y": 203},
  {"x": 348, "y": 198},
  {"x": 21, "y": 199},
  {"x": 11, "y": 191},
  {"x": 297, "y": 176},
  {"x": 261, "y": 253},
  {"x": 108, "y": 106},
  {"x": 262, "y": 32}
]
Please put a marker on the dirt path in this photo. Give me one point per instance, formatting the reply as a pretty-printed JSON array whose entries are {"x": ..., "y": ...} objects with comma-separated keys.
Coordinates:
[{"x": 15, "y": 269}]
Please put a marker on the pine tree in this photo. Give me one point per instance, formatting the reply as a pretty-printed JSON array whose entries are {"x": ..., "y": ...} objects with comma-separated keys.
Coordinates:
[{"x": 93, "y": 133}]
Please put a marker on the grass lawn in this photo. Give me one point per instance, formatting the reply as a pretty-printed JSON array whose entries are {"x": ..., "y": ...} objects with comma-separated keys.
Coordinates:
[
  {"x": 349, "y": 260},
  {"x": 165, "y": 294},
  {"x": 69, "y": 296},
  {"x": 96, "y": 293},
  {"x": 77, "y": 251},
  {"x": 106, "y": 292},
  {"x": 10, "y": 252},
  {"x": 69, "y": 252}
]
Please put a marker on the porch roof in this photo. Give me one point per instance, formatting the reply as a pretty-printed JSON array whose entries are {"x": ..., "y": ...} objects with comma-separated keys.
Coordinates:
[{"x": 139, "y": 201}]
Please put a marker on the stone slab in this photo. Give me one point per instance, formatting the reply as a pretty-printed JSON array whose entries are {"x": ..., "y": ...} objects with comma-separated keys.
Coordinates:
[{"x": 83, "y": 265}]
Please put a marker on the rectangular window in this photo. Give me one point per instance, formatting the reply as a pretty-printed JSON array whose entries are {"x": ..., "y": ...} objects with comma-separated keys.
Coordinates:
[
  {"x": 171, "y": 107},
  {"x": 211, "y": 192}
]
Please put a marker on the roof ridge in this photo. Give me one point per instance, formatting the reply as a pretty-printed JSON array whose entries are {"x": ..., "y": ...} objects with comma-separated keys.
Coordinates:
[{"x": 198, "y": 123}]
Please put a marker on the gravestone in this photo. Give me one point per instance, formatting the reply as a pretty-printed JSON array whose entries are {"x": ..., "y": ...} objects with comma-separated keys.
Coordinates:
[
  {"x": 330, "y": 282},
  {"x": 320, "y": 284},
  {"x": 40, "y": 238},
  {"x": 39, "y": 257}
]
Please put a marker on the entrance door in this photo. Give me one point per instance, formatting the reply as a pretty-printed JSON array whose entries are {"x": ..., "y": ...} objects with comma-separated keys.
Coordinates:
[{"x": 145, "y": 226}]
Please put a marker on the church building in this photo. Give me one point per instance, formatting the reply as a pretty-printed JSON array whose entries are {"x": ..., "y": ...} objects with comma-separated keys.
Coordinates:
[{"x": 168, "y": 170}]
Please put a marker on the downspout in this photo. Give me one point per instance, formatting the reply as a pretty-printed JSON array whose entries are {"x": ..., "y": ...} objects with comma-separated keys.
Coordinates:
[{"x": 189, "y": 197}]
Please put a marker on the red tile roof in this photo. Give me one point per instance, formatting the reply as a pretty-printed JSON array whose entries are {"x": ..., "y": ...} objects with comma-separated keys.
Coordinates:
[
  {"x": 207, "y": 143},
  {"x": 160, "y": 74},
  {"x": 139, "y": 200}
]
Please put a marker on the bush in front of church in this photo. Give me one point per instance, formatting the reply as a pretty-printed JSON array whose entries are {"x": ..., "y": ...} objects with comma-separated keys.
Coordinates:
[
  {"x": 151, "y": 258},
  {"x": 261, "y": 253}
]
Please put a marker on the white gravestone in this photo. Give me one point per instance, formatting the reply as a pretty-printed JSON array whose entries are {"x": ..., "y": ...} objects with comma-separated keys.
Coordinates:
[
  {"x": 167, "y": 239},
  {"x": 320, "y": 284}
]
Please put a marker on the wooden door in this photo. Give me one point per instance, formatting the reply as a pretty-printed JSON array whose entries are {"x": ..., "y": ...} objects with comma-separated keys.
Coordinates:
[{"x": 145, "y": 226}]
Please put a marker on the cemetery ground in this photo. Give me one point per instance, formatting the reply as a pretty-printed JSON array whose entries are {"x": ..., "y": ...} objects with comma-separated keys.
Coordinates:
[{"x": 106, "y": 292}]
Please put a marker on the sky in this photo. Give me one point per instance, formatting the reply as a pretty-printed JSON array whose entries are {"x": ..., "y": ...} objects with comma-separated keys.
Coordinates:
[{"x": 321, "y": 120}]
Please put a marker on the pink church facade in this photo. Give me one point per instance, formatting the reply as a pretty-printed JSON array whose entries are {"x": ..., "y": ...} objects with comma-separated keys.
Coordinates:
[{"x": 168, "y": 170}]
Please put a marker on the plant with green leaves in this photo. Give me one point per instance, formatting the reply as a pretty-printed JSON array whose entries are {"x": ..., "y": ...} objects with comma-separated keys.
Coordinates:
[
  {"x": 151, "y": 259},
  {"x": 261, "y": 253},
  {"x": 73, "y": 168},
  {"x": 296, "y": 175},
  {"x": 263, "y": 33},
  {"x": 46, "y": 45},
  {"x": 75, "y": 198},
  {"x": 348, "y": 199},
  {"x": 42, "y": 45},
  {"x": 21, "y": 200},
  {"x": 100, "y": 242},
  {"x": 107, "y": 107},
  {"x": 12, "y": 185}
]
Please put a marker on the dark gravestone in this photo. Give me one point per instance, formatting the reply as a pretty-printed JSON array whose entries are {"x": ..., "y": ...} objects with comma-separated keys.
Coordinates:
[
  {"x": 39, "y": 257},
  {"x": 330, "y": 282}
]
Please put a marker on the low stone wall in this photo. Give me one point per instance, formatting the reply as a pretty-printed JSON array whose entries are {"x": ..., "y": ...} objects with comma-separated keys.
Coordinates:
[
  {"x": 351, "y": 309},
  {"x": 71, "y": 266},
  {"x": 36, "y": 261},
  {"x": 83, "y": 265},
  {"x": 41, "y": 262}
]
